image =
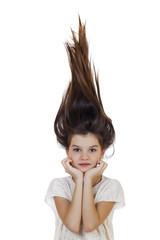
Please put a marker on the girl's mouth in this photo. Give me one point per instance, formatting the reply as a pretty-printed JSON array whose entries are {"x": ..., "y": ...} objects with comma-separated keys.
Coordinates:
[{"x": 84, "y": 164}]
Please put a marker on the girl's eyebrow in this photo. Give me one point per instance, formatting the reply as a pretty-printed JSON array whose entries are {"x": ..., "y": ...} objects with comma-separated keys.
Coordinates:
[{"x": 79, "y": 146}]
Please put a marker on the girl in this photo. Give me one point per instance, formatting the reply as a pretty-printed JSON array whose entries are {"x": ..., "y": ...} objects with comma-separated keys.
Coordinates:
[{"x": 83, "y": 202}]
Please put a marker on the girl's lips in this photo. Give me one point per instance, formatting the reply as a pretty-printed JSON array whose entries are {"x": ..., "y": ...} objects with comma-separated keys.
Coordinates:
[{"x": 84, "y": 164}]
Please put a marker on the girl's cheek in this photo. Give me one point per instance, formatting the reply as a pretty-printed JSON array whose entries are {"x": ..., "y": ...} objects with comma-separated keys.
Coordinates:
[{"x": 73, "y": 164}]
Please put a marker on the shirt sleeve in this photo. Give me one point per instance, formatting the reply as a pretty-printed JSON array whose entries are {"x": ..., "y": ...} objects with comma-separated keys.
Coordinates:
[
  {"x": 57, "y": 187},
  {"x": 112, "y": 192}
]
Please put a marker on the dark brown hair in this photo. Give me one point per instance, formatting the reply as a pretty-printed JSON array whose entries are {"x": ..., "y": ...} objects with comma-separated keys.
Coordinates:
[{"x": 81, "y": 110}]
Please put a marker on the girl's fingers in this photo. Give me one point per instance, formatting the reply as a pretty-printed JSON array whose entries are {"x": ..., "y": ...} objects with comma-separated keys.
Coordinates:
[
  {"x": 65, "y": 160},
  {"x": 103, "y": 165},
  {"x": 66, "y": 163},
  {"x": 63, "y": 163}
]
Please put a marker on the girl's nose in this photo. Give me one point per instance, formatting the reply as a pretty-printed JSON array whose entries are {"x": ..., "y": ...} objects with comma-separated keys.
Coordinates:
[{"x": 84, "y": 156}]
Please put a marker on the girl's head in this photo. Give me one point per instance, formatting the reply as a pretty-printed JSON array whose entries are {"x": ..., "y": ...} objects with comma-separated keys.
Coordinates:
[
  {"x": 81, "y": 111},
  {"x": 85, "y": 151}
]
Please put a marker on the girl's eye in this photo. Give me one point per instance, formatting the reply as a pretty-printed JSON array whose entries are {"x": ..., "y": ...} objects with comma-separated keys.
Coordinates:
[
  {"x": 76, "y": 149},
  {"x": 93, "y": 150}
]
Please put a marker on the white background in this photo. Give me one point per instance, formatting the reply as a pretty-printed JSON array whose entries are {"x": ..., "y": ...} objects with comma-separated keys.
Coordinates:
[{"x": 124, "y": 41}]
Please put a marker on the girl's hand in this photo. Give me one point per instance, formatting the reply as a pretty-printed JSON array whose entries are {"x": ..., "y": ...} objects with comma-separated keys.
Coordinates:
[
  {"x": 74, "y": 172},
  {"x": 95, "y": 172}
]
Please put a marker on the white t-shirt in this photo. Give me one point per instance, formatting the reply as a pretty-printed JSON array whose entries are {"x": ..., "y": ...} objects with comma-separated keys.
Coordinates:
[{"x": 107, "y": 189}]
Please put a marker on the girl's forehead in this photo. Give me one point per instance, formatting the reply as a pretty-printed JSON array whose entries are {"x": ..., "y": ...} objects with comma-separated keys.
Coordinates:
[{"x": 84, "y": 139}]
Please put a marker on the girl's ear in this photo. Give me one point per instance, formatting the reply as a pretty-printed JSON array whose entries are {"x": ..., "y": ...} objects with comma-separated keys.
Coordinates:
[
  {"x": 67, "y": 153},
  {"x": 102, "y": 154}
]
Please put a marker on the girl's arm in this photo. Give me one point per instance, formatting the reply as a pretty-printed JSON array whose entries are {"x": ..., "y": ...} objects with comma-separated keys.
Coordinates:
[
  {"x": 93, "y": 215},
  {"x": 70, "y": 212}
]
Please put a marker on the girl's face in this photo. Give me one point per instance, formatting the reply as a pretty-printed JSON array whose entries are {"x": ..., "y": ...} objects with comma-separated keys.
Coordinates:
[{"x": 85, "y": 151}]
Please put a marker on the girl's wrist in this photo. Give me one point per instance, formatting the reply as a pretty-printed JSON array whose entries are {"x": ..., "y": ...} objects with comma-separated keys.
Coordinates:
[
  {"x": 78, "y": 179},
  {"x": 88, "y": 180}
]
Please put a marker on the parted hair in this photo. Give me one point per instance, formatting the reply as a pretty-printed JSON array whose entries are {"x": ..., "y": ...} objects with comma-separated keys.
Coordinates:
[{"x": 81, "y": 110}]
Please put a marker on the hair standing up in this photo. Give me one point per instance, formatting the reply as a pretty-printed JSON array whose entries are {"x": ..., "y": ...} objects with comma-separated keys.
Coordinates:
[{"x": 81, "y": 110}]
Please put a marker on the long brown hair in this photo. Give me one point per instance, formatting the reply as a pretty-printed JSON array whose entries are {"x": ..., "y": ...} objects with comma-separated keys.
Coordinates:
[{"x": 81, "y": 110}]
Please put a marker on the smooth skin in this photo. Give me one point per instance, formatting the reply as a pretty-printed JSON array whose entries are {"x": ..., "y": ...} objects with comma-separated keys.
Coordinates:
[{"x": 83, "y": 149}]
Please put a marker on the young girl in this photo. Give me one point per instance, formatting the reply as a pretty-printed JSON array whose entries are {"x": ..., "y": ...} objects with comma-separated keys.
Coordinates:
[{"x": 83, "y": 202}]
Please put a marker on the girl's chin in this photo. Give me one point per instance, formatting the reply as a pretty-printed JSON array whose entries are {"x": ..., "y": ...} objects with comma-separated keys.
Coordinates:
[{"x": 85, "y": 169}]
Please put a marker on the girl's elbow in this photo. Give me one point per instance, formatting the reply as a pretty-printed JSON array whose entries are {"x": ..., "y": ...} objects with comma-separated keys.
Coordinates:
[
  {"x": 88, "y": 229},
  {"x": 74, "y": 229},
  {"x": 72, "y": 225}
]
